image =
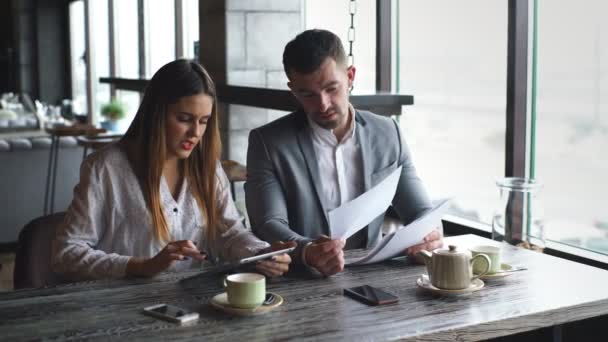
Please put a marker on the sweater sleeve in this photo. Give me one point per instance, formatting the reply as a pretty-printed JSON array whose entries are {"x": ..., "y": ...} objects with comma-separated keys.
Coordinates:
[
  {"x": 234, "y": 241},
  {"x": 74, "y": 253}
]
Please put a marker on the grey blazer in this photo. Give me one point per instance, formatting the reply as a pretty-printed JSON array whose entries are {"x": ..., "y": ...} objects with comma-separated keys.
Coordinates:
[{"x": 282, "y": 191}]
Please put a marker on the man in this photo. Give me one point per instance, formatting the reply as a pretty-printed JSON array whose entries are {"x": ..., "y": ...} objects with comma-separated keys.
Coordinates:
[{"x": 309, "y": 162}]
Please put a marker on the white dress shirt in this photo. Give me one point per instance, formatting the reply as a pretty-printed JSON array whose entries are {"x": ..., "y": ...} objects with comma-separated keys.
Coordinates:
[
  {"x": 340, "y": 167},
  {"x": 108, "y": 221}
]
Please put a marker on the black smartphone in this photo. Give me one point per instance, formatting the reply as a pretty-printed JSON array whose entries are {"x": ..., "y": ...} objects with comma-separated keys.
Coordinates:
[{"x": 370, "y": 295}]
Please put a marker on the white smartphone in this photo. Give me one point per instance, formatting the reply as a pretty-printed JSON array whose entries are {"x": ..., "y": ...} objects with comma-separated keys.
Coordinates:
[{"x": 171, "y": 313}]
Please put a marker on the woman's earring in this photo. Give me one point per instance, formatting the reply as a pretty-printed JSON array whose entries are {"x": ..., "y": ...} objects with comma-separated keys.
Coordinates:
[{"x": 350, "y": 89}]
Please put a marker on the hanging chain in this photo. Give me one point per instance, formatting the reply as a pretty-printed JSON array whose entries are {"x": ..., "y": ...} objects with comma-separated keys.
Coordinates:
[{"x": 352, "y": 9}]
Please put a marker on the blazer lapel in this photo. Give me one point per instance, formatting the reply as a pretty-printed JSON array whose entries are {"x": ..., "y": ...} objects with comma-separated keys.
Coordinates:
[
  {"x": 308, "y": 151},
  {"x": 367, "y": 160},
  {"x": 366, "y": 153}
]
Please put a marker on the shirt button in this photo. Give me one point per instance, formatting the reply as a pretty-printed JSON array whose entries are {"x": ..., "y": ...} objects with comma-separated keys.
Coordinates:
[{"x": 174, "y": 210}]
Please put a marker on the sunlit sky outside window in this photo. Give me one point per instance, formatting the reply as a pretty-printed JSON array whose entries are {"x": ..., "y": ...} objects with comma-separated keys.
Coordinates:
[
  {"x": 100, "y": 30},
  {"x": 572, "y": 120},
  {"x": 190, "y": 15},
  {"x": 77, "y": 58},
  {"x": 452, "y": 57},
  {"x": 127, "y": 59},
  {"x": 160, "y": 34}
]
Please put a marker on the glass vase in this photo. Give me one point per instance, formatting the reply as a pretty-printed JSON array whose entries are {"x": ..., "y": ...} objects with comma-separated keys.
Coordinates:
[{"x": 518, "y": 219}]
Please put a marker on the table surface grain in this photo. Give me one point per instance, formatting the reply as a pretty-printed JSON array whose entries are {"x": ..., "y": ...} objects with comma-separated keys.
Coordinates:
[{"x": 552, "y": 291}]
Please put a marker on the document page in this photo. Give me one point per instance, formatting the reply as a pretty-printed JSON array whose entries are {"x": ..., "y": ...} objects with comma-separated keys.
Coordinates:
[
  {"x": 394, "y": 244},
  {"x": 348, "y": 218}
]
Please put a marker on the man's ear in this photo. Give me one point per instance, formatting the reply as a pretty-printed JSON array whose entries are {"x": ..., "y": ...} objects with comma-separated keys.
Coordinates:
[{"x": 350, "y": 74}]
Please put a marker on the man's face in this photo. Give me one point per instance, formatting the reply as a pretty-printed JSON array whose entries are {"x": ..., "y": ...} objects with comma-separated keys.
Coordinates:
[{"x": 324, "y": 93}]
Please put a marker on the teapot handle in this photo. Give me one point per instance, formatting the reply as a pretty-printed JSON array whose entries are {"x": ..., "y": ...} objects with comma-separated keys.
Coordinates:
[{"x": 488, "y": 264}]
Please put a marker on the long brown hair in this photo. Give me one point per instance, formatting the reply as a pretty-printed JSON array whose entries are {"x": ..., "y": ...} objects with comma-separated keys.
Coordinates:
[{"x": 145, "y": 142}]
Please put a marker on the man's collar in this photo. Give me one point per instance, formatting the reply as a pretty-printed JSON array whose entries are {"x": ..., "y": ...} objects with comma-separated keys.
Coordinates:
[{"x": 325, "y": 133}]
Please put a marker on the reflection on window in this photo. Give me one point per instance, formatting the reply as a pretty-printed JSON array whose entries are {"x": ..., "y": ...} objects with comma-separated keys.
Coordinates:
[
  {"x": 190, "y": 26},
  {"x": 130, "y": 99},
  {"x": 572, "y": 121},
  {"x": 335, "y": 17},
  {"x": 160, "y": 34},
  {"x": 100, "y": 49},
  {"x": 77, "y": 57},
  {"x": 127, "y": 60},
  {"x": 452, "y": 57}
]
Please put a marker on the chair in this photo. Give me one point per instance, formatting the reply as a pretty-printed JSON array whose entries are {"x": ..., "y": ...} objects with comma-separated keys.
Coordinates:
[
  {"x": 33, "y": 257},
  {"x": 235, "y": 172}
]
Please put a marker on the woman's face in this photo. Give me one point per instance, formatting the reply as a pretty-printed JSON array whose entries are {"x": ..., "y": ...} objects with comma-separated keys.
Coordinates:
[{"x": 186, "y": 124}]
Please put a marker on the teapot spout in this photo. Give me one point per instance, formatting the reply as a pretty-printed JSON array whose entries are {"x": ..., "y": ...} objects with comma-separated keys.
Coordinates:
[{"x": 427, "y": 257}]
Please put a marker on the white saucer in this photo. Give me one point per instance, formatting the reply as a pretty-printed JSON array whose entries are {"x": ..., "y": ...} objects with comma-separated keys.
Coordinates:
[
  {"x": 220, "y": 302},
  {"x": 503, "y": 267},
  {"x": 425, "y": 283}
]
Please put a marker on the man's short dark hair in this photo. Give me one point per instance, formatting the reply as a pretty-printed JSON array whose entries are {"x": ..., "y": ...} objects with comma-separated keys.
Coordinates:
[{"x": 305, "y": 53}]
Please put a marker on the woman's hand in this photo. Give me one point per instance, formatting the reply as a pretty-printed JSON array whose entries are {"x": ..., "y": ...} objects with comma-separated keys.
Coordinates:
[
  {"x": 279, "y": 264},
  {"x": 173, "y": 251}
]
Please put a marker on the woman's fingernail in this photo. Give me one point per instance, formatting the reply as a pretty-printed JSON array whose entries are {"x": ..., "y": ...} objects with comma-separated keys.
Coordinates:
[{"x": 274, "y": 258}]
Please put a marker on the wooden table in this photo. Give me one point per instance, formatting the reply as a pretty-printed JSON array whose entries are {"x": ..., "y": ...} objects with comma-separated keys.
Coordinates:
[{"x": 552, "y": 292}]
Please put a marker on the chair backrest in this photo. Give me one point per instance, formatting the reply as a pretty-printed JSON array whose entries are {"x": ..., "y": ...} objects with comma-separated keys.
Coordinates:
[{"x": 33, "y": 257}]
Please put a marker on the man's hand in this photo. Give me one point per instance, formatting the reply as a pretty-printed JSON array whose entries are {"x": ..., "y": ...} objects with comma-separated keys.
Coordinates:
[
  {"x": 325, "y": 255},
  {"x": 279, "y": 264},
  {"x": 430, "y": 242}
]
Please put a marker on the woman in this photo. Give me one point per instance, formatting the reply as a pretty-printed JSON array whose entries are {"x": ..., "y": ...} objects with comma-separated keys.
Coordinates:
[{"x": 158, "y": 199}]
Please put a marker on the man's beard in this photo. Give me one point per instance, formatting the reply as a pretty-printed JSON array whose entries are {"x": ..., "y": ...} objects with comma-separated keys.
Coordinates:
[{"x": 330, "y": 124}]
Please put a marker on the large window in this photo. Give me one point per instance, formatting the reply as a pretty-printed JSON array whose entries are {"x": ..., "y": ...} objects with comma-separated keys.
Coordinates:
[
  {"x": 77, "y": 57},
  {"x": 101, "y": 58},
  {"x": 127, "y": 38},
  {"x": 123, "y": 39},
  {"x": 160, "y": 34},
  {"x": 572, "y": 121},
  {"x": 452, "y": 55},
  {"x": 190, "y": 36}
]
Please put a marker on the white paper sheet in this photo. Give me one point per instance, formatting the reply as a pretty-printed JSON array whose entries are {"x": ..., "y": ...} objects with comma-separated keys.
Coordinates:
[
  {"x": 348, "y": 218},
  {"x": 395, "y": 243}
]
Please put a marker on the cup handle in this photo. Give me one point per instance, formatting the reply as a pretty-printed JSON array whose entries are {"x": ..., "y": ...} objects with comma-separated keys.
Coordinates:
[{"x": 488, "y": 264}]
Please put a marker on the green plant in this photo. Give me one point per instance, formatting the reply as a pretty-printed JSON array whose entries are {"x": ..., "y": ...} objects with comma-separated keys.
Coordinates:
[{"x": 113, "y": 110}]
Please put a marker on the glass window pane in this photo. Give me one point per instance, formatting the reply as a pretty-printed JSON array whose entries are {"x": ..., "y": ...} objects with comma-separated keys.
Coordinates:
[
  {"x": 127, "y": 41},
  {"x": 160, "y": 34},
  {"x": 190, "y": 27},
  {"x": 100, "y": 50},
  {"x": 572, "y": 121},
  {"x": 130, "y": 99},
  {"x": 335, "y": 17},
  {"x": 452, "y": 58},
  {"x": 77, "y": 57}
]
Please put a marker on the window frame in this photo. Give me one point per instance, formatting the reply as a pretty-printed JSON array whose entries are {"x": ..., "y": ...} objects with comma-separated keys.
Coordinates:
[
  {"x": 516, "y": 115},
  {"x": 517, "y": 150},
  {"x": 91, "y": 78}
]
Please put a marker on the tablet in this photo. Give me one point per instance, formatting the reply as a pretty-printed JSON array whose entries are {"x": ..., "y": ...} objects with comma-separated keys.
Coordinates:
[{"x": 265, "y": 256}]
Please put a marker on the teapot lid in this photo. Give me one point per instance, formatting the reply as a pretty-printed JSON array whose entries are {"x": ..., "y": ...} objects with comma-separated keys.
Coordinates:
[{"x": 451, "y": 251}]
